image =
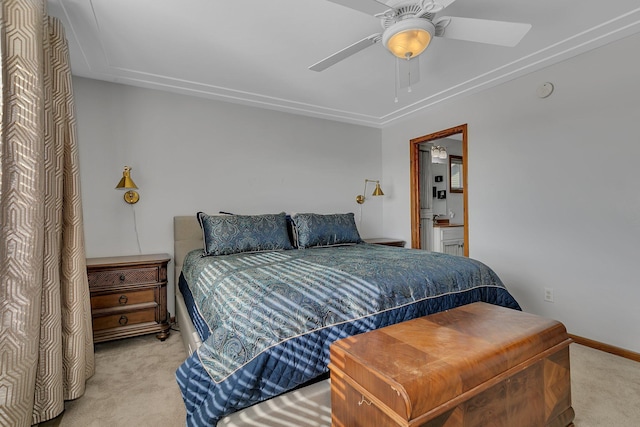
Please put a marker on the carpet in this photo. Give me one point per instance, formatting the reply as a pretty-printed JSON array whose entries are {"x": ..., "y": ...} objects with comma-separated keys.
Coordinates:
[{"x": 134, "y": 385}]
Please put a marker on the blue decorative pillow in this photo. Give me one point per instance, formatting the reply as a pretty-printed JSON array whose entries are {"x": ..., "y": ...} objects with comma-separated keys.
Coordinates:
[
  {"x": 230, "y": 234},
  {"x": 325, "y": 230}
]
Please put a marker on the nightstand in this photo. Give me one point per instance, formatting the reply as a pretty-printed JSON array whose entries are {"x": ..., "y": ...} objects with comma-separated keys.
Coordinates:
[
  {"x": 128, "y": 296},
  {"x": 385, "y": 241}
]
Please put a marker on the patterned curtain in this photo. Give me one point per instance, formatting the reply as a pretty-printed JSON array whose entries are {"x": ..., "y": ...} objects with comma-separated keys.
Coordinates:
[{"x": 46, "y": 345}]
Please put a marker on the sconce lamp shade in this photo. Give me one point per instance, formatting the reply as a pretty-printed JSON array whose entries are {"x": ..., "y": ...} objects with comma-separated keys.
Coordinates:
[
  {"x": 126, "y": 183},
  {"x": 378, "y": 190},
  {"x": 360, "y": 198}
]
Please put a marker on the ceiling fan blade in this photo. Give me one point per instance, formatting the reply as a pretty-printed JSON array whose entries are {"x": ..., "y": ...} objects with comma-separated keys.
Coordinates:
[
  {"x": 444, "y": 3},
  {"x": 345, "y": 53},
  {"x": 481, "y": 30},
  {"x": 371, "y": 7},
  {"x": 436, "y": 6},
  {"x": 408, "y": 72}
]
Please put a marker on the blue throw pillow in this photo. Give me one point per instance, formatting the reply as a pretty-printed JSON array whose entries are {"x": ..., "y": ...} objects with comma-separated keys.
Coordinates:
[
  {"x": 230, "y": 234},
  {"x": 325, "y": 230}
]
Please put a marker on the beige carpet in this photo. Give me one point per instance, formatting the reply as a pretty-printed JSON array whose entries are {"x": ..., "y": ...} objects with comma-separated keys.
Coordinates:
[
  {"x": 605, "y": 389},
  {"x": 134, "y": 385}
]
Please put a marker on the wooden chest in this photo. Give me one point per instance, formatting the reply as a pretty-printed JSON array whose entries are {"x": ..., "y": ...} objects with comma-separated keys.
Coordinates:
[
  {"x": 128, "y": 296},
  {"x": 477, "y": 365}
]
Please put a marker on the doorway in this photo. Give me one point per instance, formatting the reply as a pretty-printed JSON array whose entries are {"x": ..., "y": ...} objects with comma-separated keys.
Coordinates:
[{"x": 418, "y": 193}]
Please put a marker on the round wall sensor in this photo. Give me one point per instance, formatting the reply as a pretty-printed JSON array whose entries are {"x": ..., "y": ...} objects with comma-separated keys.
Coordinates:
[{"x": 544, "y": 90}]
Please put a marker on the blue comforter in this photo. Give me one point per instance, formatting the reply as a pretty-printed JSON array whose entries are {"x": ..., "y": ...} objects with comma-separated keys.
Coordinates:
[{"x": 268, "y": 318}]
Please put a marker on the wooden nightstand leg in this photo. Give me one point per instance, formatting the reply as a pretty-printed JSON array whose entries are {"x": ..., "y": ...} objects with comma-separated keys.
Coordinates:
[{"x": 163, "y": 335}]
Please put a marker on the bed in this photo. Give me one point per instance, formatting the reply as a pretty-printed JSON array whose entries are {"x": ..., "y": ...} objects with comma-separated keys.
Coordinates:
[{"x": 257, "y": 325}]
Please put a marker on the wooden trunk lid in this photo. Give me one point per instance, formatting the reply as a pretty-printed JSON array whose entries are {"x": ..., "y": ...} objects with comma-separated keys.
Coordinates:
[{"x": 401, "y": 368}]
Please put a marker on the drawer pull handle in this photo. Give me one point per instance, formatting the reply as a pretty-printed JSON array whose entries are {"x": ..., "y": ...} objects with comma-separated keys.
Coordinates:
[
  {"x": 123, "y": 299},
  {"x": 122, "y": 277},
  {"x": 123, "y": 320},
  {"x": 363, "y": 400}
]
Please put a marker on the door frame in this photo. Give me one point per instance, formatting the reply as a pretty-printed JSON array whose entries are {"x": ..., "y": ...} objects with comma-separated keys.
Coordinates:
[{"x": 414, "y": 152}]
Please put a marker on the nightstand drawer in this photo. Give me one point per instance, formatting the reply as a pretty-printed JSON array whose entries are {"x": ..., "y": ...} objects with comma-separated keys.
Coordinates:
[
  {"x": 128, "y": 276},
  {"x": 122, "y": 299},
  {"x": 124, "y": 319}
]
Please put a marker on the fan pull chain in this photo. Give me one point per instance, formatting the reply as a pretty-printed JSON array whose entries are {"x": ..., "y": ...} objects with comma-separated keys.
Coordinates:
[
  {"x": 397, "y": 79},
  {"x": 409, "y": 72}
]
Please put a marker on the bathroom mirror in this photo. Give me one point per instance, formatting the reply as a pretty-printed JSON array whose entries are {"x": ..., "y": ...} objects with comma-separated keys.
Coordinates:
[{"x": 455, "y": 174}]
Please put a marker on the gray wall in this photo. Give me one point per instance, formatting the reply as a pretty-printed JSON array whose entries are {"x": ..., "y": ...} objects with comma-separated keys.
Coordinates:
[
  {"x": 553, "y": 193},
  {"x": 552, "y": 199},
  {"x": 190, "y": 154}
]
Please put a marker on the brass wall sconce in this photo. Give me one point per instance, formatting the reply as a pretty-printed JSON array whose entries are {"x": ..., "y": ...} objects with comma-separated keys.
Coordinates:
[
  {"x": 126, "y": 183},
  {"x": 377, "y": 192}
]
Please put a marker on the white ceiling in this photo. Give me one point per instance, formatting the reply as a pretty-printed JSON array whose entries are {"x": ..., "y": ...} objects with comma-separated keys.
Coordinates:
[{"x": 257, "y": 52}]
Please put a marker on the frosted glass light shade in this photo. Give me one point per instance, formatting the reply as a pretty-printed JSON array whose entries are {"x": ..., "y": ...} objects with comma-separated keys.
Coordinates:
[{"x": 408, "y": 38}]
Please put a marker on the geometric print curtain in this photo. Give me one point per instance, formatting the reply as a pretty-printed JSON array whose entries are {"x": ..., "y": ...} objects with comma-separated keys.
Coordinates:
[{"x": 46, "y": 344}]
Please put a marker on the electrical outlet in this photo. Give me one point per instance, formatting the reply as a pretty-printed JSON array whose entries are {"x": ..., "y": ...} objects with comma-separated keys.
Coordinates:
[{"x": 548, "y": 294}]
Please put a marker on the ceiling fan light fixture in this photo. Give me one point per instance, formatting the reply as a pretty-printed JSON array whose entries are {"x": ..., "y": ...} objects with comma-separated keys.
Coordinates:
[{"x": 408, "y": 38}]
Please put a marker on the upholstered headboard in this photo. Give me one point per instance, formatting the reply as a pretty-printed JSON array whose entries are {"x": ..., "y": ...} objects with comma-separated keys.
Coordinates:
[{"x": 187, "y": 236}]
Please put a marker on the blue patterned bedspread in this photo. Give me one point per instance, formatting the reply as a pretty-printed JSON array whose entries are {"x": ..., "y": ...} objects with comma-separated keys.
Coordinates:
[{"x": 271, "y": 316}]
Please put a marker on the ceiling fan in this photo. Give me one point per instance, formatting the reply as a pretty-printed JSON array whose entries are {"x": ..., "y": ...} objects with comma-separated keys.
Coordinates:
[{"x": 409, "y": 27}]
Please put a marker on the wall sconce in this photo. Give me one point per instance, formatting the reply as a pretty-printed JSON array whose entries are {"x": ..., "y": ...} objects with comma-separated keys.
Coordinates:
[
  {"x": 377, "y": 192},
  {"x": 126, "y": 183}
]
